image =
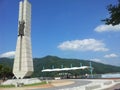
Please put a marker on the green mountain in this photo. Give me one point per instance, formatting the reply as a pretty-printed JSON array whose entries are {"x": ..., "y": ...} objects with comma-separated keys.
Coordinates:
[{"x": 50, "y": 61}]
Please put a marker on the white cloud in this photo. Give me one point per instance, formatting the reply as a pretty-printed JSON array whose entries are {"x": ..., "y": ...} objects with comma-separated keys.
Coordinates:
[
  {"x": 96, "y": 60},
  {"x": 107, "y": 28},
  {"x": 8, "y": 54},
  {"x": 83, "y": 45},
  {"x": 111, "y": 55}
]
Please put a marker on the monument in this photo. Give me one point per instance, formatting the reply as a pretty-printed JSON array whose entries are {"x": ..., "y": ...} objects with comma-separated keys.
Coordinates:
[{"x": 23, "y": 63}]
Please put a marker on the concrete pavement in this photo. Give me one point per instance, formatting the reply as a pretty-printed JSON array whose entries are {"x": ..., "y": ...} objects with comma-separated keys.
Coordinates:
[{"x": 84, "y": 84}]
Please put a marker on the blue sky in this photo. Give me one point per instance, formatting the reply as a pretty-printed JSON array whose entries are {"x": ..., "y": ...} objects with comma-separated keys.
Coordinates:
[{"x": 64, "y": 28}]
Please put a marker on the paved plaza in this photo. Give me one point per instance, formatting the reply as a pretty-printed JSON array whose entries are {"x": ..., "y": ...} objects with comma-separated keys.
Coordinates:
[
  {"x": 86, "y": 84},
  {"x": 74, "y": 84}
]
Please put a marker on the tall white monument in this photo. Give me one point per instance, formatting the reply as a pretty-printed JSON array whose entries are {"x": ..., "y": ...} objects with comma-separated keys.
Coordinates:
[{"x": 23, "y": 63}]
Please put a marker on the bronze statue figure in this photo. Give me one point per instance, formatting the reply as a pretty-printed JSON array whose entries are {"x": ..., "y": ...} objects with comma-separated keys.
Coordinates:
[{"x": 21, "y": 28}]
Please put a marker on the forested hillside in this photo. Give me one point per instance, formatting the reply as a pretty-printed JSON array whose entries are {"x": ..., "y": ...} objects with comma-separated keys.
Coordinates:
[{"x": 50, "y": 61}]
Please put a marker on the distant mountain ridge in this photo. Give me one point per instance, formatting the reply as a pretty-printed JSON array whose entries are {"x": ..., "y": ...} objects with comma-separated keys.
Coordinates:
[{"x": 49, "y": 61}]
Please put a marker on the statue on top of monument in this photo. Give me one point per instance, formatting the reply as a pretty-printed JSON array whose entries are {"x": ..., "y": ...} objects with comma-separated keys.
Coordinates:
[{"x": 21, "y": 28}]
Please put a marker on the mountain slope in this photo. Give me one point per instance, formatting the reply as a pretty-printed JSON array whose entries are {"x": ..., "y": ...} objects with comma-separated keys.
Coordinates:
[{"x": 50, "y": 61}]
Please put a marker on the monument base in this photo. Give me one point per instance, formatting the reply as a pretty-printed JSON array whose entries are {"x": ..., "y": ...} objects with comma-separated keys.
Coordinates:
[{"x": 21, "y": 81}]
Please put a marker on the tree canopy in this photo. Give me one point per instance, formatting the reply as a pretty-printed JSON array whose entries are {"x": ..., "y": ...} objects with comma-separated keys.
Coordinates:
[
  {"x": 5, "y": 72},
  {"x": 114, "y": 11}
]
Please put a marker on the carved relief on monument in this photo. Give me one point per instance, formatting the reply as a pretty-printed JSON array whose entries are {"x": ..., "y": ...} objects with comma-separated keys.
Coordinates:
[{"x": 21, "y": 28}]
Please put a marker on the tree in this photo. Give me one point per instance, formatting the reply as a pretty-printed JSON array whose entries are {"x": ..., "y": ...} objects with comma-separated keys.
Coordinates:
[
  {"x": 5, "y": 72},
  {"x": 1, "y": 70},
  {"x": 114, "y": 11}
]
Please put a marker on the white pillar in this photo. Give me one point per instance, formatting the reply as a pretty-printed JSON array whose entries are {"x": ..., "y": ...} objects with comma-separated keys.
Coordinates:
[{"x": 23, "y": 63}]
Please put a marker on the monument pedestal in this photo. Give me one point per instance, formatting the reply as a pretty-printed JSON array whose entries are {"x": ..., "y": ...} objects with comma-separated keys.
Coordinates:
[{"x": 17, "y": 82}]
